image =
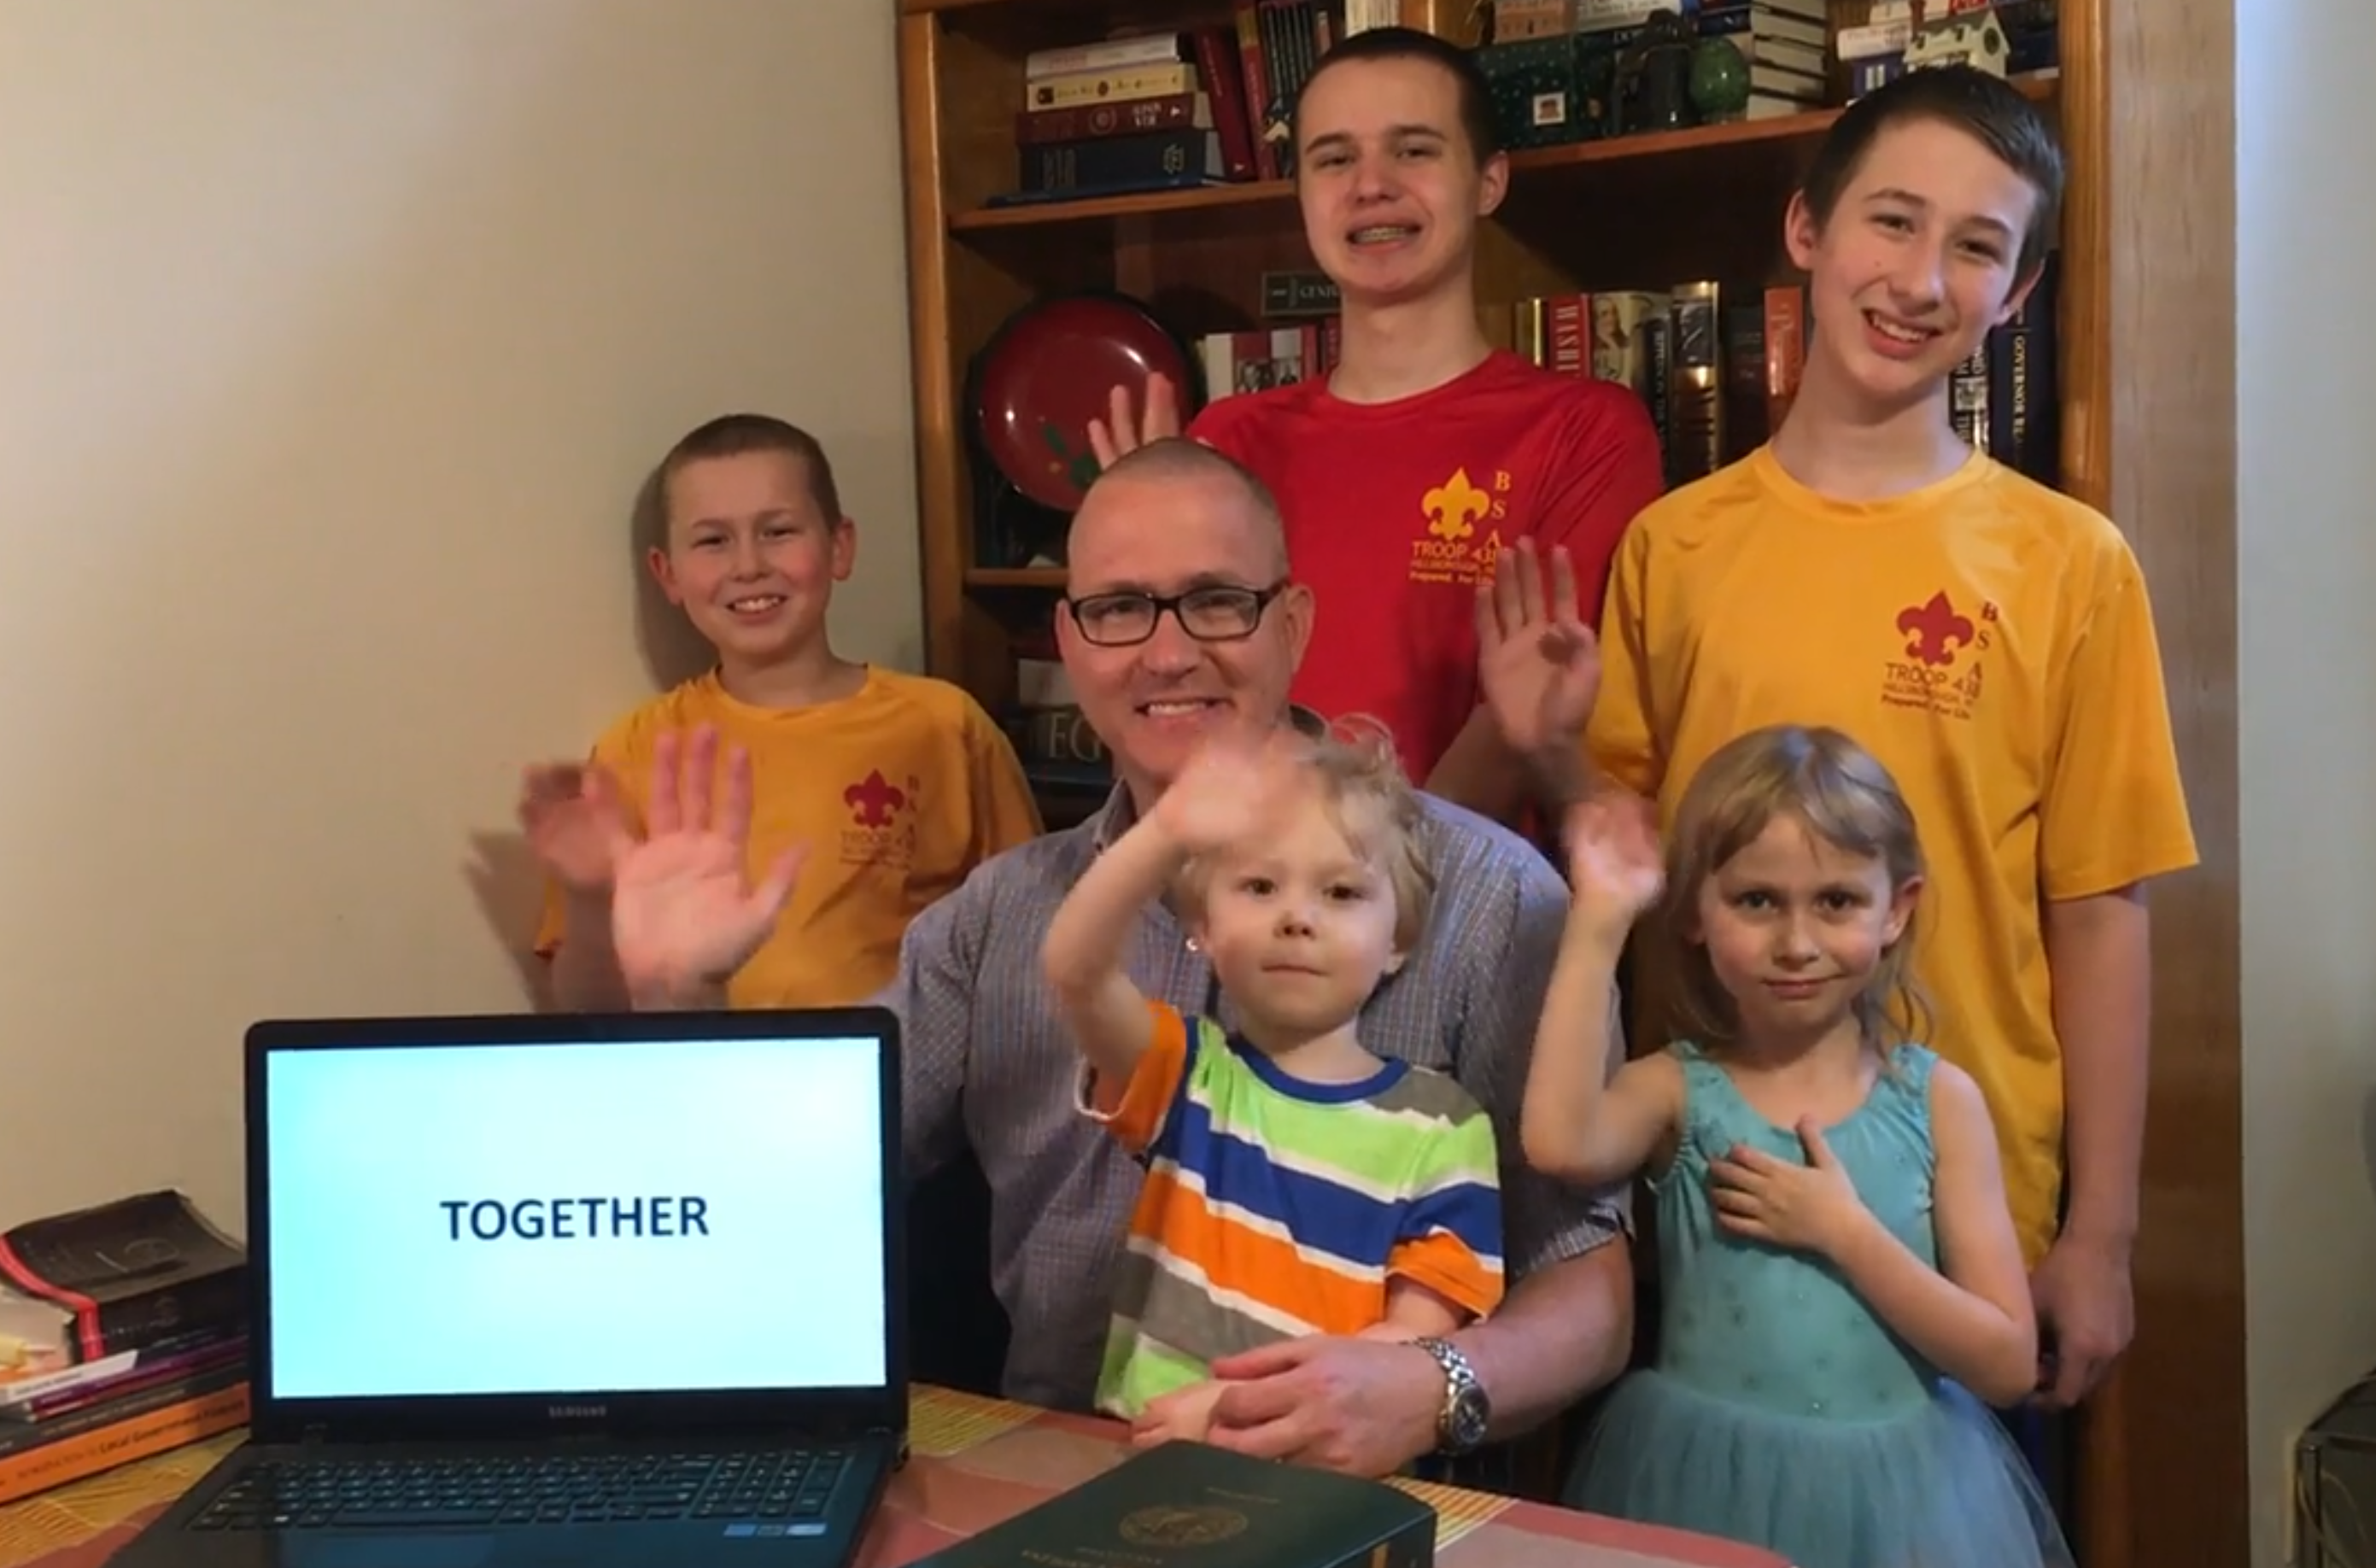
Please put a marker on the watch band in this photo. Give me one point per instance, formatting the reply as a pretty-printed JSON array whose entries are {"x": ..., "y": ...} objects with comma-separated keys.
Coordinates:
[{"x": 1460, "y": 1422}]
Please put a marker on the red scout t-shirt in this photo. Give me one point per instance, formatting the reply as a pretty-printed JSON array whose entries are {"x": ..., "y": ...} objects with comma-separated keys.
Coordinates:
[{"x": 1396, "y": 511}]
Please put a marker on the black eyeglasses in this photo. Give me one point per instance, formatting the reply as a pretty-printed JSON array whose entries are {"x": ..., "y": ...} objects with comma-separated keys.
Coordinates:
[{"x": 1217, "y": 614}]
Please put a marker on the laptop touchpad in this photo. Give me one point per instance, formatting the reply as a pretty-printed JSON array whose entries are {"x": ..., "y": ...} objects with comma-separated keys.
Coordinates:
[{"x": 422, "y": 1548}]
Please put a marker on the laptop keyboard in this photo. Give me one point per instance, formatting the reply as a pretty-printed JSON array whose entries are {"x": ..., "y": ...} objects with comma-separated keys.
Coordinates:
[{"x": 374, "y": 1491}]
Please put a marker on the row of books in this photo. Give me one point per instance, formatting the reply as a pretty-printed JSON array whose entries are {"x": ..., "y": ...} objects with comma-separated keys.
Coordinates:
[
  {"x": 1208, "y": 105},
  {"x": 1715, "y": 363},
  {"x": 123, "y": 1333},
  {"x": 1155, "y": 111}
]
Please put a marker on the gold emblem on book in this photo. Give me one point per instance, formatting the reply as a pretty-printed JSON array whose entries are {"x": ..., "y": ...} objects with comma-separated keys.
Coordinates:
[{"x": 1164, "y": 1525}]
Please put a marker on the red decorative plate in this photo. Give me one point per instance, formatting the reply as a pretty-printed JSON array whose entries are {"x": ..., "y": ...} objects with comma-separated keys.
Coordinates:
[{"x": 1052, "y": 368}]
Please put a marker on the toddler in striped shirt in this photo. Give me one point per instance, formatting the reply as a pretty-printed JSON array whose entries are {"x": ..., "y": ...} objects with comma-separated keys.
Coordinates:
[{"x": 1295, "y": 1182}]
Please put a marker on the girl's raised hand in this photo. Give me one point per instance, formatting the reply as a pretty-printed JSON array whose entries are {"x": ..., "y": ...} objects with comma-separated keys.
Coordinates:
[{"x": 1614, "y": 862}]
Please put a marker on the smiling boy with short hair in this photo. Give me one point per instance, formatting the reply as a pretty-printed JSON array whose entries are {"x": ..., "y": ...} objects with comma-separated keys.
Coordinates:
[{"x": 889, "y": 787}]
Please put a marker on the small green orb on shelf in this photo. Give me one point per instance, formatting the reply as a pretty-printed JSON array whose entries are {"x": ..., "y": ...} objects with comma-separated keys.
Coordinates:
[{"x": 1719, "y": 82}]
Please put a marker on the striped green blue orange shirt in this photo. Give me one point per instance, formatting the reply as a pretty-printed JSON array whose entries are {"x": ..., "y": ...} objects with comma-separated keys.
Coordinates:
[{"x": 1274, "y": 1209}]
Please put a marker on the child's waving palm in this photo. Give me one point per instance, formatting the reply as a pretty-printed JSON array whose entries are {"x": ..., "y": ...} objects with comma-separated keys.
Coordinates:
[
  {"x": 1614, "y": 862},
  {"x": 1231, "y": 792}
]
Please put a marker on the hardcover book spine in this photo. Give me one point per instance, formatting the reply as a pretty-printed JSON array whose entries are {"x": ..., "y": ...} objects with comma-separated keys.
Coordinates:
[
  {"x": 1088, "y": 122},
  {"x": 1695, "y": 445},
  {"x": 1225, "y": 84},
  {"x": 1299, "y": 294},
  {"x": 1114, "y": 54},
  {"x": 1744, "y": 373},
  {"x": 1274, "y": 30},
  {"x": 1785, "y": 338},
  {"x": 2020, "y": 407},
  {"x": 1159, "y": 158},
  {"x": 1629, "y": 347},
  {"x": 1101, "y": 87},
  {"x": 1257, "y": 85},
  {"x": 1531, "y": 337},
  {"x": 1567, "y": 327},
  {"x": 1967, "y": 397}
]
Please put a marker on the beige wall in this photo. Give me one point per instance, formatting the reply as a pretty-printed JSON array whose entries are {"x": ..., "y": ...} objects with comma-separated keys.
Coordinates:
[
  {"x": 2306, "y": 529},
  {"x": 335, "y": 338}
]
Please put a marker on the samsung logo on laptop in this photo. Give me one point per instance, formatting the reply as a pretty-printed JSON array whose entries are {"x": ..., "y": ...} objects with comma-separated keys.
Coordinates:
[{"x": 576, "y": 1412}]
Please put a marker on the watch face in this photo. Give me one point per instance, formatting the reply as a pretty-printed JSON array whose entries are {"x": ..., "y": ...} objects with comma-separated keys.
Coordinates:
[{"x": 1469, "y": 1418}]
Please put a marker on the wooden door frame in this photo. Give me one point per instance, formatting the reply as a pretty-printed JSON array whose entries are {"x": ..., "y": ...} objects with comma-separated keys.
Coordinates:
[{"x": 2149, "y": 437}]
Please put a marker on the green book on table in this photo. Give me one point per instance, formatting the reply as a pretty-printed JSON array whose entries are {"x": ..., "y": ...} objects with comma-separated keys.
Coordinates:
[{"x": 1190, "y": 1505}]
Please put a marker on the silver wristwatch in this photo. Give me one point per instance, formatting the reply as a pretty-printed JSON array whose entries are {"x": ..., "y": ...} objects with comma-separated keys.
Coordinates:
[{"x": 1460, "y": 1424}]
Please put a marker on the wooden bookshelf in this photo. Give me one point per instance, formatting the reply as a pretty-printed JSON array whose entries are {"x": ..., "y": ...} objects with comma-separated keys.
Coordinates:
[{"x": 2148, "y": 432}]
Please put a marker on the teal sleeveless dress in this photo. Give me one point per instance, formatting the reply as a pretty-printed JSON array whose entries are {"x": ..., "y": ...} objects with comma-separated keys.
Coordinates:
[{"x": 1782, "y": 1413}]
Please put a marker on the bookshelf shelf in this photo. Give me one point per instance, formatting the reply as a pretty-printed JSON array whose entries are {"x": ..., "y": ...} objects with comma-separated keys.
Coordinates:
[
  {"x": 1697, "y": 141},
  {"x": 1702, "y": 140},
  {"x": 1095, "y": 9},
  {"x": 1040, "y": 577},
  {"x": 1037, "y": 215}
]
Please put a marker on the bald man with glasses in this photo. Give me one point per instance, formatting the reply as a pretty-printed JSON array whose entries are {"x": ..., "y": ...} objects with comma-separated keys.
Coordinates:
[{"x": 1182, "y": 620}]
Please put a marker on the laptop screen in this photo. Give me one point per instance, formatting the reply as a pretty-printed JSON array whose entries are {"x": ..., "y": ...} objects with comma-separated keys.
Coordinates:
[{"x": 631, "y": 1217}]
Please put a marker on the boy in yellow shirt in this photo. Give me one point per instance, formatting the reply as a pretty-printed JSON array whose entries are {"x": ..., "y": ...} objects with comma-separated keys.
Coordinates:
[
  {"x": 885, "y": 790},
  {"x": 1988, "y": 638}
]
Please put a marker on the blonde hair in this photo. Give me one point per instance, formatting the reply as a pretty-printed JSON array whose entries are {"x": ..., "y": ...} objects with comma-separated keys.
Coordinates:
[
  {"x": 1837, "y": 791},
  {"x": 1363, "y": 787}
]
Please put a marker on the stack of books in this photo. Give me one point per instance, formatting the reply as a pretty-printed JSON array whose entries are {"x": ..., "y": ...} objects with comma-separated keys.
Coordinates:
[
  {"x": 1148, "y": 112},
  {"x": 123, "y": 1333}
]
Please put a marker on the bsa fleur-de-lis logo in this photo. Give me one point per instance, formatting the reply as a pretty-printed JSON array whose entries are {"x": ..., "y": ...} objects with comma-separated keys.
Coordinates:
[
  {"x": 874, "y": 800},
  {"x": 1455, "y": 507},
  {"x": 1933, "y": 631}
]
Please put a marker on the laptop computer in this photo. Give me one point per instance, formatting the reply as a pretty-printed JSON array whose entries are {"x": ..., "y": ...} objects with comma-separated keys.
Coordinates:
[{"x": 540, "y": 1289}]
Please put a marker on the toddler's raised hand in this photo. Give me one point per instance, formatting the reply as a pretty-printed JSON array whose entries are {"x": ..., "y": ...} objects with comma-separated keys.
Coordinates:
[
  {"x": 1231, "y": 790},
  {"x": 1613, "y": 860}
]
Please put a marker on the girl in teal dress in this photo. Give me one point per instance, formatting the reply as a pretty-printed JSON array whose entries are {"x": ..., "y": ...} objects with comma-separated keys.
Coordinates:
[{"x": 1842, "y": 1286}]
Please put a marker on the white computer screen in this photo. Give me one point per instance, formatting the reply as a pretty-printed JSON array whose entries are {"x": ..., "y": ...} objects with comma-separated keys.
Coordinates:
[{"x": 569, "y": 1219}]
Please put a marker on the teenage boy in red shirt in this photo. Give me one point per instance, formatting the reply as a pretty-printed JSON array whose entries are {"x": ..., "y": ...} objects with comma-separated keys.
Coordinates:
[{"x": 1406, "y": 472}]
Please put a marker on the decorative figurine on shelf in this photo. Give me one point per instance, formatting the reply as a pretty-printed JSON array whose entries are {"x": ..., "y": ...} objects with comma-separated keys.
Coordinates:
[
  {"x": 1654, "y": 75},
  {"x": 1719, "y": 81},
  {"x": 1967, "y": 38}
]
